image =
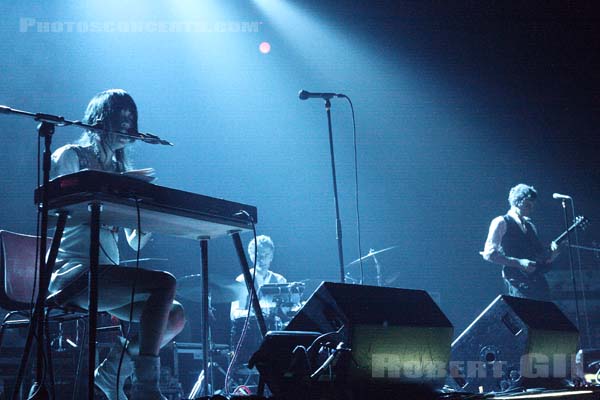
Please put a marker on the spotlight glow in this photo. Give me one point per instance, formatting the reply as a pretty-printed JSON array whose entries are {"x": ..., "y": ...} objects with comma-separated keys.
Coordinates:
[{"x": 264, "y": 47}]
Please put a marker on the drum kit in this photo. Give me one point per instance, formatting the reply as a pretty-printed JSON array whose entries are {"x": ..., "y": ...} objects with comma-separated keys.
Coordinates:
[
  {"x": 281, "y": 299},
  {"x": 280, "y": 302}
]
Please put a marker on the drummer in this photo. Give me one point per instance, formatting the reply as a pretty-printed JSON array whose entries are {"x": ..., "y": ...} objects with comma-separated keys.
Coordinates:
[{"x": 264, "y": 275}]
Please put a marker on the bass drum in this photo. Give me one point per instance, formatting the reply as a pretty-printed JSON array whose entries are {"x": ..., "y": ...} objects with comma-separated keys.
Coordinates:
[
  {"x": 280, "y": 303},
  {"x": 252, "y": 338}
]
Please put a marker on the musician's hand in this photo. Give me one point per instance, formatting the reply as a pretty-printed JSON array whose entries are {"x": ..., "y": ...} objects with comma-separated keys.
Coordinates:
[
  {"x": 528, "y": 265},
  {"x": 145, "y": 174},
  {"x": 555, "y": 251},
  {"x": 132, "y": 238}
]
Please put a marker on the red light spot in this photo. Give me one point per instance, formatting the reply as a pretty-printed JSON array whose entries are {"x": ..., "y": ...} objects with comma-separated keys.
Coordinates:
[{"x": 265, "y": 47}]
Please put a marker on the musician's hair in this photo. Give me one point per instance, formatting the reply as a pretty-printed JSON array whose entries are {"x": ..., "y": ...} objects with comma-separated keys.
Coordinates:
[
  {"x": 263, "y": 242},
  {"x": 521, "y": 192},
  {"x": 105, "y": 109}
]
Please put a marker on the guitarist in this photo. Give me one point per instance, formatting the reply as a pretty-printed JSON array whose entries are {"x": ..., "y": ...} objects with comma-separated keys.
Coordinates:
[{"x": 513, "y": 242}]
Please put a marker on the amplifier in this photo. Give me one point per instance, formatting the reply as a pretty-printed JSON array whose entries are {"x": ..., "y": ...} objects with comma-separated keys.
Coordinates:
[
  {"x": 395, "y": 335},
  {"x": 515, "y": 342}
]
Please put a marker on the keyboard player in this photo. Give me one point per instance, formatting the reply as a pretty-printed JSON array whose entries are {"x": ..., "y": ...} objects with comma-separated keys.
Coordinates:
[{"x": 160, "y": 317}]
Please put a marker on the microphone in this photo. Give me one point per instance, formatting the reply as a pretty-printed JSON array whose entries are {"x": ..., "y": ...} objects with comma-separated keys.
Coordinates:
[
  {"x": 561, "y": 196},
  {"x": 133, "y": 135},
  {"x": 303, "y": 95}
]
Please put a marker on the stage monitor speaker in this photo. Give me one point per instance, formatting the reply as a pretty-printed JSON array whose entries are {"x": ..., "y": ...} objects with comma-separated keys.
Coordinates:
[
  {"x": 395, "y": 335},
  {"x": 587, "y": 365},
  {"x": 515, "y": 342}
]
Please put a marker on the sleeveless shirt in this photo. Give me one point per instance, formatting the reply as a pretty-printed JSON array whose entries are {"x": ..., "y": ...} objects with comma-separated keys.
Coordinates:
[{"x": 74, "y": 252}]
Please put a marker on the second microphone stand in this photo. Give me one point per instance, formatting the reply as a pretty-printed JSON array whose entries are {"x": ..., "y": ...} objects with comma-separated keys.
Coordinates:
[
  {"x": 571, "y": 264},
  {"x": 338, "y": 222}
]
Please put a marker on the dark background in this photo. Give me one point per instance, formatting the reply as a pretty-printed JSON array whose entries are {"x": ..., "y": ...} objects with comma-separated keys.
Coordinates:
[{"x": 455, "y": 103}]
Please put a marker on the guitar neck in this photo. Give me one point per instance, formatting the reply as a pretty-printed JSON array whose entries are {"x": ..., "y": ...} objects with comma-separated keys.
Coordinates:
[{"x": 563, "y": 235}]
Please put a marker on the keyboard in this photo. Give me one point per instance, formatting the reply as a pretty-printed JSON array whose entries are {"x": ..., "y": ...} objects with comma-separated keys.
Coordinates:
[{"x": 161, "y": 209}]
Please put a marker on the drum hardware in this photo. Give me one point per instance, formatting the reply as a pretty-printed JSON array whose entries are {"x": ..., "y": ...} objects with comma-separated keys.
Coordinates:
[
  {"x": 189, "y": 288},
  {"x": 371, "y": 254},
  {"x": 218, "y": 355},
  {"x": 197, "y": 388},
  {"x": 59, "y": 341},
  {"x": 351, "y": 280}
]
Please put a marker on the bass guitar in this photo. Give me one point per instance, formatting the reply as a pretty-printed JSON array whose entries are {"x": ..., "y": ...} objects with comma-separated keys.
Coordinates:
[{"x": 530, "y": 283}]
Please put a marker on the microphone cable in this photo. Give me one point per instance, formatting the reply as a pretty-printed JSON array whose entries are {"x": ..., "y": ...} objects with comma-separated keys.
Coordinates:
[
  {"x": 125, "y": 343},
  {"x": 356, "y": 187},
  {"x": 248, "y": 308}
]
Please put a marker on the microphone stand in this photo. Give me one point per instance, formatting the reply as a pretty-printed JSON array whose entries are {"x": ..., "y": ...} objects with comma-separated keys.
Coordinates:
[
  {"x": 592, "y": 249},
  {"x": 98, "y": 127},
  {"x": 46, "y": 129},
  {"x": 38, "y": 390},
  {"x": 571, "y": 264},
  {"x": 583, "y": 294},
  {"x": 338, "y": 222}
]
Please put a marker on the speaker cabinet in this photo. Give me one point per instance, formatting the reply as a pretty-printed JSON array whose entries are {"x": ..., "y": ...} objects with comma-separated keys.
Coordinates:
[
  {"x": 395, "y": 335},
  {"x": 515, "y": 342}
]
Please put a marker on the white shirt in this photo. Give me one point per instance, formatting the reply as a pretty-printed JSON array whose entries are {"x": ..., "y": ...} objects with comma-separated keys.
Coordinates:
[
  {"x": 497, "y": 231},
  {"x": 238, "y": 308}
]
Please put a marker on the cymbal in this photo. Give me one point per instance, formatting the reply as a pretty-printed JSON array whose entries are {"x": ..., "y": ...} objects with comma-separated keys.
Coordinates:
[
  {"x": 144, "y": 261},
  {"x": 371, "y": 253},
  {"x": 190, "y": 288}
]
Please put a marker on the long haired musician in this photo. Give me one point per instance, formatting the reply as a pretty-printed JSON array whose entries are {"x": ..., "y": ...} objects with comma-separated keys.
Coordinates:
[{"x": 160, "y": 317}]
